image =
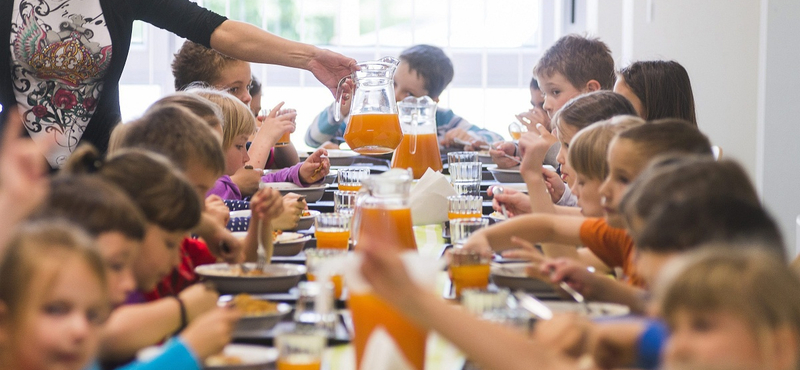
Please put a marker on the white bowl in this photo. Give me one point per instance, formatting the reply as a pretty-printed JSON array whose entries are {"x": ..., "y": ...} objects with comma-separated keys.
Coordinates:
[
  {"x": 509, "y": 175},
  {"x": 241, "y": 213},
  {"x": 513, "y": 276},
  {"x": 289, "y": 244},
  {"x": 258, "y": 322},
  {"x": 252, "y": 357},
  {"x": 281, "y": 278},
  {"x": 340, "y": 157},
  {"x": 306, "y": 222},
  {"x": 312, "y": 193}
]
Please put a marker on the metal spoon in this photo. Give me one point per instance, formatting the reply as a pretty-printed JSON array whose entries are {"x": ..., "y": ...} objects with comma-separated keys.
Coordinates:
[
  {"x": 496, "y": 191},
  {"x": 575, "y": 295}
]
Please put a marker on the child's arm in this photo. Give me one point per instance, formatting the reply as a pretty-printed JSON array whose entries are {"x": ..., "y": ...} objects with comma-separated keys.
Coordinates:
[
  {"x": 221, "y": 243},
  {"x": 593, "y": 286},
  {"x": 534, "y": 146},
  {"x": 271, "y": 130},
  {"x": 266, "y": 205},
  {"x": 315, "y": 167},
  {"x": 534, "y": 228},
  {"x": 133, "y": 327},
  {"x": 324, "y": 128}
]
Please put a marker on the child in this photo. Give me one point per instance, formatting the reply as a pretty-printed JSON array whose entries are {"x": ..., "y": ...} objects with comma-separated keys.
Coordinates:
[
  {"x": 658, "y": 89},
  {"x": 110, "y": 217},
  {"x": 197, "y": 104},
  {"x": 196, "y": 63},
  {"x": 423, "y": 70},
  {"x": 53, "y": 299},
  {"x": 732, "y": 310},
  {"x": 577, "y": 114},
  {"x": 574, "y": 65}
]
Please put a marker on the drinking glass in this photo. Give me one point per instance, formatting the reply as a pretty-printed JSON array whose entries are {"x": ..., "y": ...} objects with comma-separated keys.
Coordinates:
[
  {"x": 344, "y": 201},
  {"x": 464, "y": 206},
  {"x": 349, "y": 179},
  {"x": 466, "y": 177},
  {"x": 462, "y": 228},
  {"x": 314, "y": 308},
  {"x": 468, "y": 269},
  {"x": 315, "y": 257},
  {"x": 300, "y": 350},
  {"x": 332, "y": 231},
  {"x": 480, "y": 301},
  {"x": 459, "y": 157},
  {"x": 515, "y": 129}
]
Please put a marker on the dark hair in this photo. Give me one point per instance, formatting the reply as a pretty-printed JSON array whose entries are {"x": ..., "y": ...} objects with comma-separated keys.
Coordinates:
[
  {"x": 255, "y": 86},
  {"x": 163, "y": 194},
  {"x": 663, "y": 87},
  {"x": 595, "y": 106},
  {"x": 673, "y": 177},
  {"x": 178, "y": 134},
  {"x": 534, "y": 84},
  {"x": 202, "y": 107},
  {"x": 195, "y": 62},
  {"x": 579, "y": 59},
  {"x": 667, "y": 135},
  {"x": 699, "y": 219},
  {"x": 104, "y": 208},
  {"x": 431, "y": 63}
]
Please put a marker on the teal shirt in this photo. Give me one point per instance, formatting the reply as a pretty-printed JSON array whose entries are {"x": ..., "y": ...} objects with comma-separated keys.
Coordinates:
[{"x": 175, "y": 356}]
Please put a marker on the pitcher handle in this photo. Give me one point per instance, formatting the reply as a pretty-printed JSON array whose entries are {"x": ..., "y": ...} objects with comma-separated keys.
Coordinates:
[{"x": 337, "y": 111}]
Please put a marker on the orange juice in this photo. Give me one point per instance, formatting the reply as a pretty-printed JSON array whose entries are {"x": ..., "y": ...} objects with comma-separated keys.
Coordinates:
[
  {"x": 332, "y": 238},
  {"x": 469, "y": 276},
  {"x": 312, "y": 364},
  {"x": 369, "y": 312},
  {"x": 515, "y": 135},
  {"x": 349, "y": 187},
  {"x": 425, "y": 154},
  {"x": 335, "y": 279},
  {"x": 373, "y": 133},
  {"x": 284, "y": 140},
  {"x": 453, "y": 215},
  {"x": 386, "y": 226}
]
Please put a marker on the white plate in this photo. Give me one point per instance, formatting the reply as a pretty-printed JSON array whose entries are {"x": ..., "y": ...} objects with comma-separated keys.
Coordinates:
[
  {"x": 241, "y": 213},
  {"x": 513, "y": 276},
  {"x": 312, "y": 193},
  {"x": 253, "y": 357},
  {"x": 596, "y": 309},
  {"x": 341, "y": 157},
  {"x": 507, "y": 175},
  {"x": 281, "y": 278}
]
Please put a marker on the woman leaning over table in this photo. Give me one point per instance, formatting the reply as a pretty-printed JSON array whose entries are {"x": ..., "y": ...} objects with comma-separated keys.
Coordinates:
[{"x": 66, "y": 57}]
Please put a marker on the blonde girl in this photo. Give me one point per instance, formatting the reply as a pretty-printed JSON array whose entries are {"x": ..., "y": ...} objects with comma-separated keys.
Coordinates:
[
  {"x": 732, "y": 310},
  {"x": 53, "y": 299}
]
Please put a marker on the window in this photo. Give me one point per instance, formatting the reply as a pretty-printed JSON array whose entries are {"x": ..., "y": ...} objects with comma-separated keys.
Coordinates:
[{"x": 493, "y": 44}]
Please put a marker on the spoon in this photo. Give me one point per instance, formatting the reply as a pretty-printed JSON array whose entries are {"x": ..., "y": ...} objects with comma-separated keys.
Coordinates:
[
  {"x": 496, "y": 191},
  {"x": 575, "y": 295}
]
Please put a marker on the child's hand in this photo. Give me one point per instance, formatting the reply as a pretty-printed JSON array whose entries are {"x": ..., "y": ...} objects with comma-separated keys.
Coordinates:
[
  {"x": 315, "y": 167},
  {"x": 266, "y": 205},
  {"x": 527, "y": 251},
  {"x": 293, "y": 207},
  {"x": 499, "y": 154},
  {"x": 572, "y": 272},
  {"x": 534, "y": 146},
  {"x": 198, "y": 299},
  {"x": 534, "y": 116},
  {"x": 217, "y": 210},
  {"x": 275, "y": 125},
  {"x": 209, "y": 334},
  {"x": 247, "y": 180},
  {"x": 565, "y": 334},
  {"x": 227, "y": 246},
  {"x": 450, "y": 137},
  {"x": 478, "y": 242},
  {"x": 516, "y": 202},
  {"x": 555, "y": 186},
  {"x": 288, "y": 112}
]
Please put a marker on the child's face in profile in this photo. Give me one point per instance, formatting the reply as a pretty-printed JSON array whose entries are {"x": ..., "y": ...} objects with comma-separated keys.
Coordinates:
[
  {"x": 712, "y": 339},
  {"x": 557, "y": 91},
  {"x": 622, "y": 88},
  {"x": 235, "y": 78},
  {"x": 565, "y": 135},
  {"x": 236, "y": 155},
  {"x": 408, "y": 83},
  {"x": 62, "y": 329},
  {"x": 202, "y": 178},
  {"x": 624, "y": 164},
  {"x": 118, "y": 253},
  {"x": 160, "y": 253},
  {"x": 588, "y": 192}
]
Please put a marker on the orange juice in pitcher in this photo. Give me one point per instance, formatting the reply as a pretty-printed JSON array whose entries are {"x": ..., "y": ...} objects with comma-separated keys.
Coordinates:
[
  {"x": 382, "y": 212},
  {"x": 419, "y": 149}
]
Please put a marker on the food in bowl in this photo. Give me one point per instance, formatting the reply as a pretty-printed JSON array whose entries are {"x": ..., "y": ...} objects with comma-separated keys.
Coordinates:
[
  {"x": 222, "y": 359},
  {"x": 236, "y": 270},
  {"x": 250, "y": 306}
]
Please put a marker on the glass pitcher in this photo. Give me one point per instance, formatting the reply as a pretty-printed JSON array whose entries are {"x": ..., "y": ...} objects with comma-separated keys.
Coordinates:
[
  {"x": 419, "y": 149},
  {"x": 382, "y": 211},
  {"x": 373, "y": 126}
]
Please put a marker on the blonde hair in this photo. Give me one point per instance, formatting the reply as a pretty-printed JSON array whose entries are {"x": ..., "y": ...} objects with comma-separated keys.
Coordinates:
[
  {"x": 588, "y": 148},
  {"x": 237, "y": 117},
  {"x": 36, "y": 254},
  {"x": 202, "y": 107},
  {"x": 749, "y": 283}
]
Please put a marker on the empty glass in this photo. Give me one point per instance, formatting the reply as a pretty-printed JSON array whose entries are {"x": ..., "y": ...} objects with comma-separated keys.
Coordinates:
[
  {"x": 314, "y": 307},
  {"x": 461, "y": 229},
  {"x": 458, "y": 157},
  {"x": 466, "y": 177},
  {"x": 344, "y": 201}
]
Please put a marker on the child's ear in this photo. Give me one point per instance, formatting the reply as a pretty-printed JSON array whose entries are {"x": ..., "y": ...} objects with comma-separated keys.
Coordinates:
[
  {"x": 592, "y": 85},
  {"x": 784, "y": 341}
]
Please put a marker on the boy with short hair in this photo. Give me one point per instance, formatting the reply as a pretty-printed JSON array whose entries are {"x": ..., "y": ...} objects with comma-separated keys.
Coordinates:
[{"x": 423, "y": 70}]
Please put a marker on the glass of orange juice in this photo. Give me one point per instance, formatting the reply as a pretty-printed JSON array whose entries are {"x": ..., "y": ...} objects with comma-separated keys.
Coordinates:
[
  {"x": 464, "y": 206},
  {"x": 468, "y": 269},
  {"x": 300, "y": 350},
  {"x": 332, "y": 231},
  {"x": 315, "y": 257},
  {"x": 462, "y": 228},
  {"x": 344, "y": 201},
  {"x": 349, "y": 179},
  {"x": 515, "y": 129}
]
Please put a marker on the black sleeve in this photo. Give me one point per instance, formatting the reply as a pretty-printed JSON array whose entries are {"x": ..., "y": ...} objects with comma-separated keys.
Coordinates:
[{"x": 181, "y": 17}]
